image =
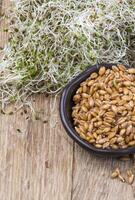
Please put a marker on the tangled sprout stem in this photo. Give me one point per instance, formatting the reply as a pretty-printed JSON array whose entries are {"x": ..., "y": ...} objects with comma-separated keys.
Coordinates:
[{"x": 51, "y": 41}]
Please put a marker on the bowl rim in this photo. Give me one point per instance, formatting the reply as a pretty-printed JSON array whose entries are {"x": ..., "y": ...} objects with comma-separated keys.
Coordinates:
[{"x": 67, "y": 125}]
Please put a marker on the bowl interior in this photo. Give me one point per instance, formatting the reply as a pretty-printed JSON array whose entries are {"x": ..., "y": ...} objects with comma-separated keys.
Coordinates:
[{"x": 66, "y": 105}]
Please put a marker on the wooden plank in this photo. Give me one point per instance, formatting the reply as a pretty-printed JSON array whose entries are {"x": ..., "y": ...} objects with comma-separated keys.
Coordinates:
[
  {"x": 92, "y": 178},
  {"x": 51, "y": 155},
  {"x": 51, "y": 166},
  {"x": 4, "y": 8},
  {"x": 36, "y": 163}
]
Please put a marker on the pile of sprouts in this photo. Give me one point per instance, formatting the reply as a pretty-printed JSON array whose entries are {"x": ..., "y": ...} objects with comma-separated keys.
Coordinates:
[{"x": 51, "y": 41}]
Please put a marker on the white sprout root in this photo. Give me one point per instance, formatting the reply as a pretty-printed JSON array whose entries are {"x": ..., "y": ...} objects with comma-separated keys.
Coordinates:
[{"x": 51, "y": 41}]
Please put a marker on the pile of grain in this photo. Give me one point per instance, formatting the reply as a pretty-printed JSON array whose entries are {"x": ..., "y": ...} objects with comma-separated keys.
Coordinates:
[{"x": 104, "y": 110}]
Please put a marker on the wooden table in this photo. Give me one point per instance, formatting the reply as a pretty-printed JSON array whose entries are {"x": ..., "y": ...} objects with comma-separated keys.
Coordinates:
[{"x": 40, "y": 162}]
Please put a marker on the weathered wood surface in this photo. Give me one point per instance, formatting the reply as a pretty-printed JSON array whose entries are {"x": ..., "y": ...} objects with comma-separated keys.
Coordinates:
[{"x": 42, "y": 163}]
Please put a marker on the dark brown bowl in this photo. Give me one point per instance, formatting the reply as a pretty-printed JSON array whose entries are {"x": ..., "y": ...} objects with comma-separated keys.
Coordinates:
[{"x": 66, "y": 104}]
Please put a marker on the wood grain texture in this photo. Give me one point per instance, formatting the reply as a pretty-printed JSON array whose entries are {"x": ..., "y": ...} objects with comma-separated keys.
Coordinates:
[
  {"x": 92, "y": 178},
  {"x": 36, "y": 163},
  {"x": 40, "y": 162}
]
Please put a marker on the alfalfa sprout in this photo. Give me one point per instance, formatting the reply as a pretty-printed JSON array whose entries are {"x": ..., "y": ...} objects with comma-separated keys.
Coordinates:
[{"x": 51, "y": 41}]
